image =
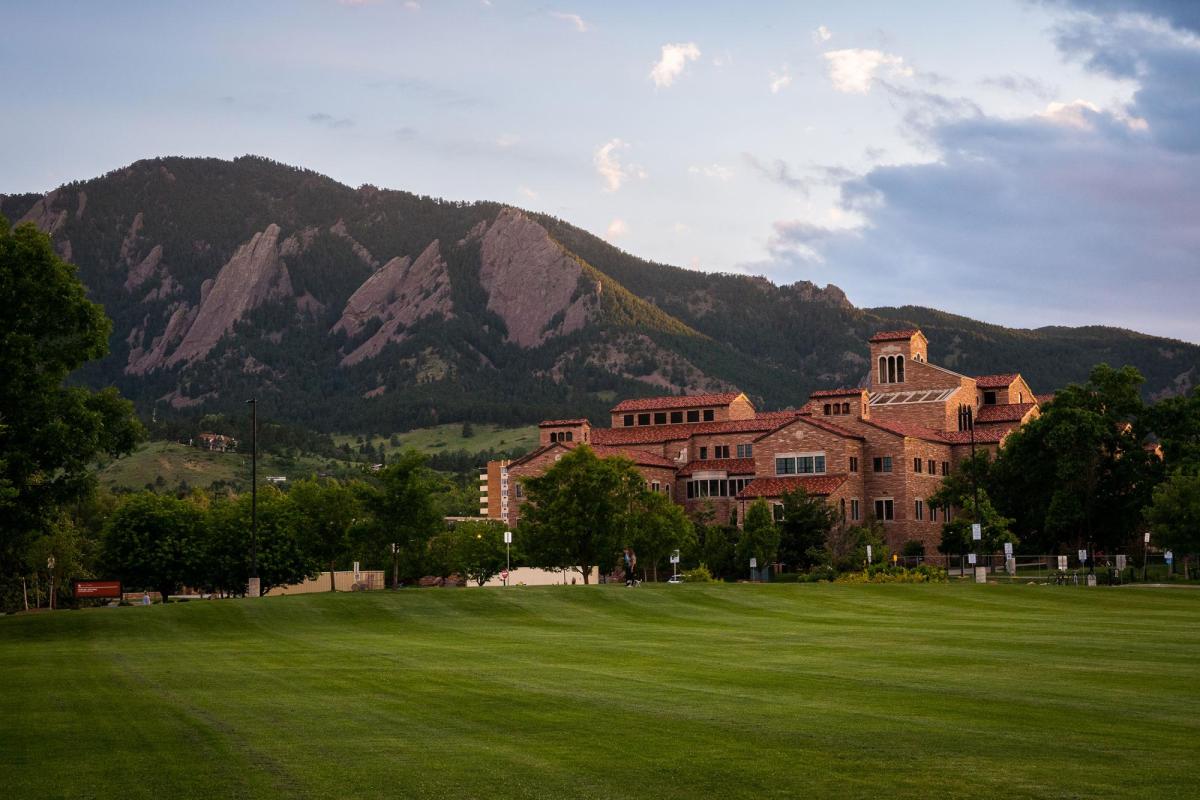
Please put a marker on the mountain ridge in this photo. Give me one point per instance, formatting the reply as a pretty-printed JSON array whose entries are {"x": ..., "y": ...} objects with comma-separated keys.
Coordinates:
[{"x": 231, "y": 278}]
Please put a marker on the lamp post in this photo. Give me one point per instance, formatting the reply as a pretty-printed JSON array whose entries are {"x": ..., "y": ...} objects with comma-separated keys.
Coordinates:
[
  {"x": 255, "y": 587},
  {"x": 395, "y": 566},
  {"x": 966, "y": 422},
  {"x": 507, "y": 556}
]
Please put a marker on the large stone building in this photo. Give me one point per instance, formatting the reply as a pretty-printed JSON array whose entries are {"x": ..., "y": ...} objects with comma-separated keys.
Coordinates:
[{"x": 878, "y": 451}]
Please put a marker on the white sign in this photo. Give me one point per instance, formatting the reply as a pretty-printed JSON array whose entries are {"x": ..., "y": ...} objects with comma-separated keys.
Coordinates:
[
  {"x": 971, "y": 558},
  {"x": 1169, "y": 556},
  {"x": 1120, "y": 562},
  {"x": 1146, "y": 539},
  {"x": 508, "y": 537},
  {"x": 868, "y": 552},
  {"x": 754, "y": 563},
  {"x": 1082, "y": 556},
  {"x": 1062, "y": 563},
  {"x": 976, "y": 531},
  {"x": 357, "y": 573},
  {"x": 675, "y": 557},
  {"x": 1008, "y": 549}
]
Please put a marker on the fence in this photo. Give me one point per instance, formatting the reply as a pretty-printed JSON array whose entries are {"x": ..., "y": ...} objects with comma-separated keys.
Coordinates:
[{"x": 1116, "y": 568}]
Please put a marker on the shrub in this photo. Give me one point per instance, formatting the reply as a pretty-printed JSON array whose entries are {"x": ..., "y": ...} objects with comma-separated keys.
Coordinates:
[
  {"x": 698, "y": 575},
  {"x": 912, "y": 548},
  {"x": 877, "y": 573}
]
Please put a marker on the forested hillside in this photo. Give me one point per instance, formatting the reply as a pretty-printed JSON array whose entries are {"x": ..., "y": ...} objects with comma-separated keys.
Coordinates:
[{"x": 376, "y": 310}]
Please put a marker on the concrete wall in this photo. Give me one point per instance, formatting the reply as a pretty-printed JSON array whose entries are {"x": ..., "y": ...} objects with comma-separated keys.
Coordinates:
[
  {"x": 529, "y": 576},
  {"x": 342, "y": 580}
]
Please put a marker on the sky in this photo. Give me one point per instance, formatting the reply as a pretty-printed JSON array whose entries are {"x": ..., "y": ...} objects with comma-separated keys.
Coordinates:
[{"x": 1023, "y": 162}]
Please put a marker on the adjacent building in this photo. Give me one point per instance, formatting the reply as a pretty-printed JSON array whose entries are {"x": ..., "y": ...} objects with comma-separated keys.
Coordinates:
[{"x": 876, "y": 451}]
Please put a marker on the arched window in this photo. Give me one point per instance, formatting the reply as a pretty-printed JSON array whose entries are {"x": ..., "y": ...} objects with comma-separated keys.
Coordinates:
[
  {"x": 570, "y": 436},
  {"x": 883, "y": 370},
  {"x": 843, "y": 506},
  {"x": 899, "y": 369},
  {"x": 827, "y": 409},
  {"x": 845, "y": 408},
  {"x": 891, "y": 369}
]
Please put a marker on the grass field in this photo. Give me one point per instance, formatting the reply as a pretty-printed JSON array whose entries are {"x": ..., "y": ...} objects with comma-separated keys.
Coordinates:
[
  {"x": 441, "y": 438},
  {"x": 891, "y": 691},
  {"x": 174, "y": 462}
]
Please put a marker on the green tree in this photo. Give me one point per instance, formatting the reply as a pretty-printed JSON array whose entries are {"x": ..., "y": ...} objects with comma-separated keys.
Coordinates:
[
  {"x": 468, "y": 430},
  {"x": 760, "y": 537},
  {"x": 580, "y": 512},
  {"x": 282, "y": 557},
  {"x": 659, "y": 527},
  {"x": 1174, "y": 515},
  {"x": 806, "y": 523},
  {"x": 478, "y": 550},
  {"x": 402, "y": 509},
  {"x": 155, "y": 542},
  {"x": 50, "y": 434},
  {"x": 327, "y": 511},
  {"x": 1176, "y": 423},
  {"x": 958, "y": 490}
]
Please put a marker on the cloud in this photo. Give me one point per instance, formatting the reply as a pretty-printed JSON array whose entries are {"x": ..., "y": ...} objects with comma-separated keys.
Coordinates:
[
  {"x": 777, "y": 171},
  {"x": 681, "y": 228},
  {"x": 670, "y": 66},
  {"x": 822, "y": 34},
  {"x": 412, "y": 5},
  {"x": 330, "y": 121},
  {"x": 716, "y": 171},
  {"x": 608, "y": 164},
  {"x": 526, "y": 192},
  {"x": 1077, "y": 214},
  {"x": 1021, "y": 84},
  {"x": 853, "y": 71},
  {"x": 723, "y": 60},
  {"x": 616, "y": 229},
  {"x": 507, "y": 140},
  {"x": 577, "y": 21},
  {"x": 780, "y": 80}
]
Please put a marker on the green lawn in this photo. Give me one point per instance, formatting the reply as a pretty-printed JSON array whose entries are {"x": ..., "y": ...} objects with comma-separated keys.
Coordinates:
[
  {"x": 663, "y": 691},
  {"x": 441, "y": 438}
]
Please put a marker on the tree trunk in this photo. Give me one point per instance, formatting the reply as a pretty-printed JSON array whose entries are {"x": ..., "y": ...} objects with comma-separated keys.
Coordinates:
[
  {"x": 165, "y": 591},
  {"x": 585, "y": 570},
  {"x": 332, "y": 586}
]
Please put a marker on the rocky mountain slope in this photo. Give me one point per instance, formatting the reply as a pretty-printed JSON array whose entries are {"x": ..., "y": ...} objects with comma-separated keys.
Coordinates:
[{"x": 366, "y": 309}]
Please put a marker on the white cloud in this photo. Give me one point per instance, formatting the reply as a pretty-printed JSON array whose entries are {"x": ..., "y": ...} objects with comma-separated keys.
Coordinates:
[
  {"x": 1084, "y": 114},
  {"x": 674, "y": 59},
  {"x": 854, "y": 71},
  {"x": 576, "y": 20},
  {"x": 712, "y": 171},
  {"x": 822, "y": 34},
  {"x": 681, "y": 228},
  {"x": 723, "y": 60},
  {"x": 507, "y": 140},
  {"x": 780, "y": 80},
  {"x": 608, "y": 164},
  {"x": 412, "y": 5},
  {"x": 525, "y": 191},
  {"x": 616, "y": 229}
]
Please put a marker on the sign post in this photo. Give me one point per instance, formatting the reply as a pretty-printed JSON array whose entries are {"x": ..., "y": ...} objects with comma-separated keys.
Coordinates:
[
  {"x": 1145, "y": 551},
  {"x": 675, "y": 564},
  {"x": 868, "y": 555},
  {"x": 1010, "y": 563},
  {"x": 507, "y": 555},
  {"x": 753, "y": 569},
  {"x": 50, "y": 567},
  {"x": 91, "y": 590}
]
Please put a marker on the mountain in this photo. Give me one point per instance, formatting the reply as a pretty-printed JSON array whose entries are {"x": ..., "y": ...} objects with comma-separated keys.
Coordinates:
[{"x": 370, "y": 309}]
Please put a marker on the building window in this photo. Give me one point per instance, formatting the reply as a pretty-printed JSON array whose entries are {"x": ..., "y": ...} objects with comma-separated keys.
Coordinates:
[
  {"x": 704, "y": 454},
  {"x": 721, "y": 451},
  {"x": 628, "y": 420},
  {"x": 845, "y": 408},
  {"x": 899, "y": 369},
  {"x": 855, "y": 511},
  {"x": 989, "y": 398},
  {"x": 654, "y": 486},
  {"x": 828, "y": 410},
  {"x": 891, "y": 369},
  {"x": 518, "y": 490},
  {"x": 884, "y": 510},
  {"x": 693, "y": 416},
  {"x": 745, "y": 451},
  {"x": 708, "y": 415},
  {"x": 676, "y": 417},
  {"x": 854, "y": 463},
  {"x": 777, "y": 512},
  {"x": 917, "y": 465},
  {"x": 660, "y": 418},
  {"x": 883, "y": 370},
  {"x": 842, "y": 507},
  {"x": 810, "y": 464},
  {"x": 933, "y": 513},
  {"x": 570, "y": 436},
  {"x": 945, "y": 467},
  {"x": 882, "y": 464},
  {"x": 919, "y": 509},
  {"x": 643, "y": 419},
  {"x": 667, "y": 489},
  {"x": 690, "y": 490},
  {"x": 932, "y": 467},
  {"x": 946, "y": 512},
  {"x": 785, "y": 466}
]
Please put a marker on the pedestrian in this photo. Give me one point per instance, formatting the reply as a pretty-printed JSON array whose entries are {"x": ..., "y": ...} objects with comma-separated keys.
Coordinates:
[
  {"x": 630, "y": 563},
  {"x": 145, "y": 598}
]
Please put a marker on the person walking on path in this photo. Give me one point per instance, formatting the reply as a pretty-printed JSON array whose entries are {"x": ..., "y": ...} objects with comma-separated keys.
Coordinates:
[{"x": 630, "y": 563}]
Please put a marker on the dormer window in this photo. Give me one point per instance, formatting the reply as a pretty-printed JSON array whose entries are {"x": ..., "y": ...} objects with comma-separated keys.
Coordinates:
[
  {"x": 989, "y": 398},
  {"x": 708, "y": 415}
]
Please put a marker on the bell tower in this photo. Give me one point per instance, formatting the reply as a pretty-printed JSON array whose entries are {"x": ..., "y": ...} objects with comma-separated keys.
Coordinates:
[{"x": 891, "y": 352}]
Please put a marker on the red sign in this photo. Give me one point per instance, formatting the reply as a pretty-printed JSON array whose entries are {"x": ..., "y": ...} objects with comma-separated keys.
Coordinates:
[{"x": 89, "y": 589}]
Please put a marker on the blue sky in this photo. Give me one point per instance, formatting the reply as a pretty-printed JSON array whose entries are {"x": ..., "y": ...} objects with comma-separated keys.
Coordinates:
[{"x": 1026, "y": 163}]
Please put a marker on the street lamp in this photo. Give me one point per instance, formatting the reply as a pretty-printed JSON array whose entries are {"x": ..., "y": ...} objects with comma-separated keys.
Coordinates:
[
  {"x": 254, "y": 588},
  {"x": 395, "y": 566}
]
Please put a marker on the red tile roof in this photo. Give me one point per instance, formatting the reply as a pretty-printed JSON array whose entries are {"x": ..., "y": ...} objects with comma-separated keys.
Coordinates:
[
  {"x": 838, "y": 392},
  {"x": 734, "y": 466},
  {"x": 1044, "y": 398},
  {"x": 557, "y": 423},
  {"x": 996, "y": 381},
  {"x": 820, "y": 485},
  {"x": 651, "y": 434},
  {"x": 910, "y": 430},
  {"x": 988, "y": 434},
  {"x": 639, "y": 457},
  {"x": 1014, "y": 412},
  {"x": 889, "y": 336},
  {"x": 817, "y": 422},
  {"x": 670, "y": 401}
]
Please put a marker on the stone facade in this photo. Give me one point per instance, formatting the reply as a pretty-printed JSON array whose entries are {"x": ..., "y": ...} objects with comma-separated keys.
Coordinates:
[{"x": 881, "y": 450}]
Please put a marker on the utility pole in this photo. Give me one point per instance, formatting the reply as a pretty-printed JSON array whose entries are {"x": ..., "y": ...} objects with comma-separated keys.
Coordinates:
[
  {"x": 254, "y": 588},
  {"x": 966, "y": 422},
  {"x": 395, "y": 566}
]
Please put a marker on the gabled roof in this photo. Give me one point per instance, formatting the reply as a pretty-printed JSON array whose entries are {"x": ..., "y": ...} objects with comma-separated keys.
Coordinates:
[
  {"x": 1044, "y": 398},
  {"x": 733, "y": 466},
  {"x": 816, "y": 422},
  {"x": 996, "y": 381},
  {"x": 891, "y": 336},
  {"x": 909, "y": 430},
  {"x": 639, "y": 457},
  {"x": 845, "y": 392},
  {"x": 1014, "y": 412},
  {"x": 675, "y": 402},
  {"x": 820, "y": 485},
  {"x": 558, "y": 423},
  {"x": 988, "y": 434}
]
